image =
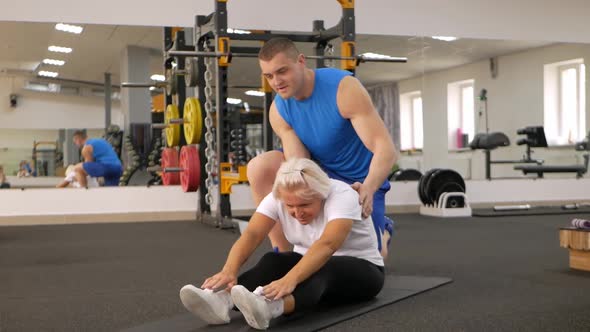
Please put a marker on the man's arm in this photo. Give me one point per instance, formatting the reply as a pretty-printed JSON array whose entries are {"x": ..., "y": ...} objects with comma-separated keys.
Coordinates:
[
  {"x": 87, "y": 153},
  {"x": 355, "y": 104},
  {"x": 292, "y": 146}
]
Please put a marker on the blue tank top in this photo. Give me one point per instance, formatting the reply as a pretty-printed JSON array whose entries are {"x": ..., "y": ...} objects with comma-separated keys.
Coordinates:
[
  {"x": 103, "y": 152},
  {"x": 330, "y": 139}
]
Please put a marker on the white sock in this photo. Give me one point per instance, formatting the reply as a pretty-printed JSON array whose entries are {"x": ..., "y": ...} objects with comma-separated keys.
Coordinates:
[{"x": 276, "y": 306}]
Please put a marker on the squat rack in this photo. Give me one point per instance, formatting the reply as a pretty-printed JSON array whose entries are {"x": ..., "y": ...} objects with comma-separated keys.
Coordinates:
[{"x": 205, "y": 64}]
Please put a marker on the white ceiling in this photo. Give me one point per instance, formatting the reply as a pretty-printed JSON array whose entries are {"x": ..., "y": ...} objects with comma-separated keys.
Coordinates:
[{"x": 98, "y": 49}]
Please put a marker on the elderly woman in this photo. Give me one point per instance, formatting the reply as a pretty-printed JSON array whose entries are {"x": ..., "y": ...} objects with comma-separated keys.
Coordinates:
[
  {"x": 3, "y": 182},
  {"x": 334, "y": 260}
]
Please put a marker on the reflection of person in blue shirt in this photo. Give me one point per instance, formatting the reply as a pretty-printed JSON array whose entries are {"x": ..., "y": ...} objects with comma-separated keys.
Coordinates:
[
  {"x": 24, "y": 169},
  {"x": 100, "y": 160}
]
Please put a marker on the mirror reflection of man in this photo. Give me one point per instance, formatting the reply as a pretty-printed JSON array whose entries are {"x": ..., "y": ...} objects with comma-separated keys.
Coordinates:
[{"x": 100, "y": 160}]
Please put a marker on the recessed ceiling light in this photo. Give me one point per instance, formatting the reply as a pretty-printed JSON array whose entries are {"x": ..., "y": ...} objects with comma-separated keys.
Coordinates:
[
  {"x": 59, "y": 49},
  {"x": 445, "y": 38},
  {"x": 255, "y": 93},
  {"x": 158, "y": 77},
  {"x": 69, "y": 28},
  {"x": 53, "y": 62},
  {"x": 233, "y": 101},
  {"x": 48, "y": 73}
]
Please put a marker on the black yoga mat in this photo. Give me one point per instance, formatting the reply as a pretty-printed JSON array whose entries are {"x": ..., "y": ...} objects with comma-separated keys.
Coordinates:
[{"x": 396, "y": 288}]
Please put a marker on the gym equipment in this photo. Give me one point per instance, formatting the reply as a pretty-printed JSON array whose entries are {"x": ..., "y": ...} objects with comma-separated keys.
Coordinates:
[
  {"x": 172, "y": 126},
  {"x": 580, "y": 170},
  {"x": 406, "y": 174},
  {"x": 581, "y": 223},
  {"x": 46, "y": 156},
  {"x": 189, "y": 167},
  {"x": 577, "y": 240},
  {"x": 395, "y": 289},
  {"x": 191, "y": 72},
  {"x": 357, "y": 59},
  {"x": 442, "y": 192},
  {"x": 532, "y": 210},
  {"x": 169, "y": 159},
  {"x": 512, "y": 207},
  {"x": 491, "y": 141},
  {"x": 191, "y": 121},
  {"x": 229, "y": 177},
  {"x": 204, "y": 61}
]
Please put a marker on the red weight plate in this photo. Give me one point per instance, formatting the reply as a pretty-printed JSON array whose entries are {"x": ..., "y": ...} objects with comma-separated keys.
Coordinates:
[
  {"x": 170, "y": 159},
  {"x": 190, "y": 178}
]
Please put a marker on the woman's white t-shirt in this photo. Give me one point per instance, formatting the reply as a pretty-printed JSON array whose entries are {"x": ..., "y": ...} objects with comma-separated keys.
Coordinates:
[{"x": 342, "y": 203}]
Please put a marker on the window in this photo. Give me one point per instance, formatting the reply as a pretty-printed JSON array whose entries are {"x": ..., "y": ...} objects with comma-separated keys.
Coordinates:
[
  {"x": 411, "y": 133},
  {"x": 461, "y": 113},
  {"x": 565, "y": 102}
]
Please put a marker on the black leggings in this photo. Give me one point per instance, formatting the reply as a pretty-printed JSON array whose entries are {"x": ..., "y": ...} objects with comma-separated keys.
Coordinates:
[{"x": 341, "y": 279}]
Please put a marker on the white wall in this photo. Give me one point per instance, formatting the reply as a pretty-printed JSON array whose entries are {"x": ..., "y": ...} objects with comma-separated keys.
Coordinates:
[
  {"x": 42, "y": 110},
  {"x": 515, "y": 100},
  {"x": 557, "y": 20}
]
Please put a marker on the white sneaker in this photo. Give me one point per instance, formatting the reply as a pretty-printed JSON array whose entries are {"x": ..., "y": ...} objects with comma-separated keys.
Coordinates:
[
  {"x": 211, "y": 307},
  {"x": 255, "y": 308}
]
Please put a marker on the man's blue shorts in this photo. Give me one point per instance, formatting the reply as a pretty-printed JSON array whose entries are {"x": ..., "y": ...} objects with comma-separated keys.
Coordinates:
[{"x": 110, "y": 172}]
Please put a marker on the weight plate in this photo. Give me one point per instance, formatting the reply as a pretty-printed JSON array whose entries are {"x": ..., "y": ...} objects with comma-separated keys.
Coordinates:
[
  {"x": 173, "y": 129},
  {"x": 192, "y": 71},
  {"x": 422, "y": 185},
  {"x": 170, "y": 82},
  {"x": 190, "y": 178},
  {"x": 193, "y": 121},
  {"x": 170, "y": 159},
  {"x": 448, "y": 187},
  {"x": 440, "y": 178}
]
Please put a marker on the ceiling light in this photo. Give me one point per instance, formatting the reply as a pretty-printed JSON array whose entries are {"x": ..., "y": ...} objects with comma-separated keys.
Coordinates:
[
  {"x": 53, "y": 62},
  {"x": 255, "y": 93},
  {"x": 158, "y": 77},
  {"x": 48, "y": 73},
  {"x": 152, "y": 88},
  {"x": 233, "y": 101},
  {"x": 247, "y": 107},
  {"x": 59, "y": 49},
  {"x": 369, "y": 55},
  {"x": 238, "y": 31},
  {"x": 69, "y": 28},
  {"x": 445, "y": 38}
]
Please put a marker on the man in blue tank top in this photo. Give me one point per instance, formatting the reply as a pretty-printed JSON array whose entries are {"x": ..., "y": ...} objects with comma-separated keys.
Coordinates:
[
  {"x": 325, "y": 114},
  {"x": 100, "y": 160}
]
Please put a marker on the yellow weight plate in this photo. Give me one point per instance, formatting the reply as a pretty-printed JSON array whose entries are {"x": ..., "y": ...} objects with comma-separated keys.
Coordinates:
[
  {"x": 172, "y": 130},
  {"x": 193, "y": 122}
]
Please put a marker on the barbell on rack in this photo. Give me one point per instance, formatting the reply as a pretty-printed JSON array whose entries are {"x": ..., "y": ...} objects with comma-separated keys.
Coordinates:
[
  {"x": 229, "y": 55},
  {"x": 185, "y": 169},
  {"x": 191, "y": 121}
]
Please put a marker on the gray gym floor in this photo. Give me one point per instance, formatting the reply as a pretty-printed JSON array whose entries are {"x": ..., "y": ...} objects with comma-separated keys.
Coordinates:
[{"x": 509, "y": 275}]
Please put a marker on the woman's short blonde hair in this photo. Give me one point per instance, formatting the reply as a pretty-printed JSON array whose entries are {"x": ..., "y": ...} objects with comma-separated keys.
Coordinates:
[{"x": 303, "y": 177}]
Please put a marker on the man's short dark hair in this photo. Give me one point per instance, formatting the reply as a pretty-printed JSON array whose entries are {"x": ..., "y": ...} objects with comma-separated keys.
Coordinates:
[
  {"x": 278, "y": 45},
  {"x": 80, "y": 133}
]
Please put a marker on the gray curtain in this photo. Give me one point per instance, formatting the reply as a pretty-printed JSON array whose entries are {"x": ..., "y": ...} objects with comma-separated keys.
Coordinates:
[{"x": 386, "y": 100}]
